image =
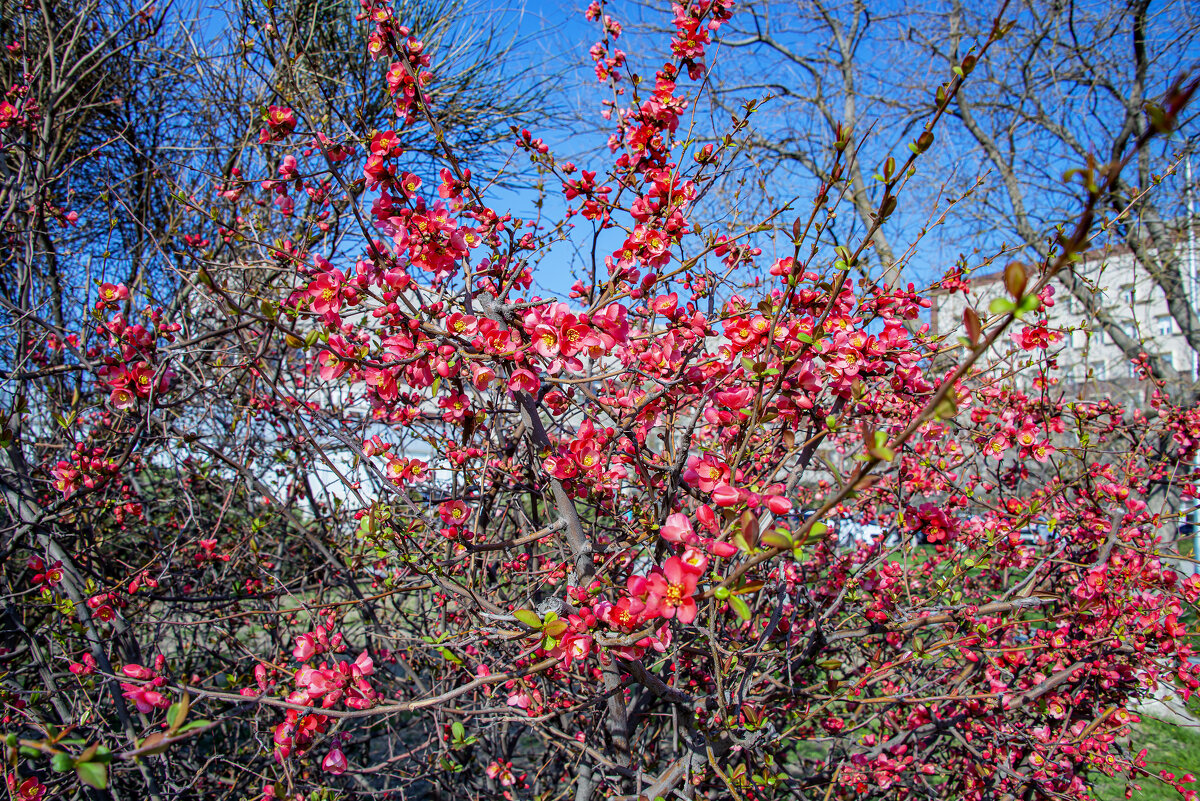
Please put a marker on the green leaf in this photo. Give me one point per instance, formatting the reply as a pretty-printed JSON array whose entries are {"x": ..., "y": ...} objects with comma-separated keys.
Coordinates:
[
  {"x": 880, "y": 450},
  {"x": 739, "y": 607},
  {"x": 748, "y": 531},
  {"x": 458, "y": 731},
  {"x": 945, "y": 410},
  {"x": 1001, "y": 306},
  {"x": 883, "y": 454},
  {"x": 1029, "y": 303},
  {"x": 177, "y": 713},
  {"x": 154, "y": 744},
  {"x": 194, "y": 724},
  {"x": 450, "y": 656},
  {"x": 529, "y": 618},
  {"x": 777, "y": 539},
  {"x": 1015, "y": 279},
  {"x": 93, "y": 774}
]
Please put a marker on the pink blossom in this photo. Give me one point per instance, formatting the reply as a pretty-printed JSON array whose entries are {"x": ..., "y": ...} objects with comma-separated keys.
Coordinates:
[
  {"x": 523, "y": 380},
  {"x": 725, "y": 496},
  {"x": 454, "y": 513},
  {"x": 134, "y": 671},
  {"x": 670, "y": 592},
  {"x": 678, "y": 528},
  {"x": 305, "y": 648},
  {"x": 334, "y": 762},
  {"x": 147, "y": 700}
]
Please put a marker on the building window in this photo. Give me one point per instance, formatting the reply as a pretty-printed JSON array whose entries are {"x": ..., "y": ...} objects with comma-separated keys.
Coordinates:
[
  {"x": 1079, "y": 338},
  {"x": 1069, "y": 303},
  {"x": 1099, "y": 372},
  {"x": 1132, "y": 369},
  {"x": 1129, "y": 293},
  {"x": 1165, "y": 325}
]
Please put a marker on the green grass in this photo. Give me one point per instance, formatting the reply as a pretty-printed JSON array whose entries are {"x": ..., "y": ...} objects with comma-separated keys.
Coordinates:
[{"x": 1170, "y": 747}]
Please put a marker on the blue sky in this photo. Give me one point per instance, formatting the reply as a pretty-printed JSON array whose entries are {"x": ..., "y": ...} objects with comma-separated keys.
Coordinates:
[
  {"x": 555, "y": 37},
  {"x": 550, "y": 43}
]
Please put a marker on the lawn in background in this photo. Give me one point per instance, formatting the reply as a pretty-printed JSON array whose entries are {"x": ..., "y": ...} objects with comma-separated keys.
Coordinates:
[{"x": 1170, "y": 747}]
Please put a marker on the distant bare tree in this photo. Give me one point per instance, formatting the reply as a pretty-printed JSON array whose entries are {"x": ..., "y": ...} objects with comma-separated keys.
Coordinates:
[
  {"x": 117, "y": 120},
  {"x": 1071, "y": 76},
  {"x": 1064, "y": 78},
  {"x": 823, "y": 93}
]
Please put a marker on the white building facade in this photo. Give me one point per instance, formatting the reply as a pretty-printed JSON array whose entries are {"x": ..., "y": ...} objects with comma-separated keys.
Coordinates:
[{"x": 1086, "y": 356}]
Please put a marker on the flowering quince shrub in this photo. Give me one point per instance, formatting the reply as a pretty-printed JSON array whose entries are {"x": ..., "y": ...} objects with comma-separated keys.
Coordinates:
[{"x": 359, "y": 513}]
